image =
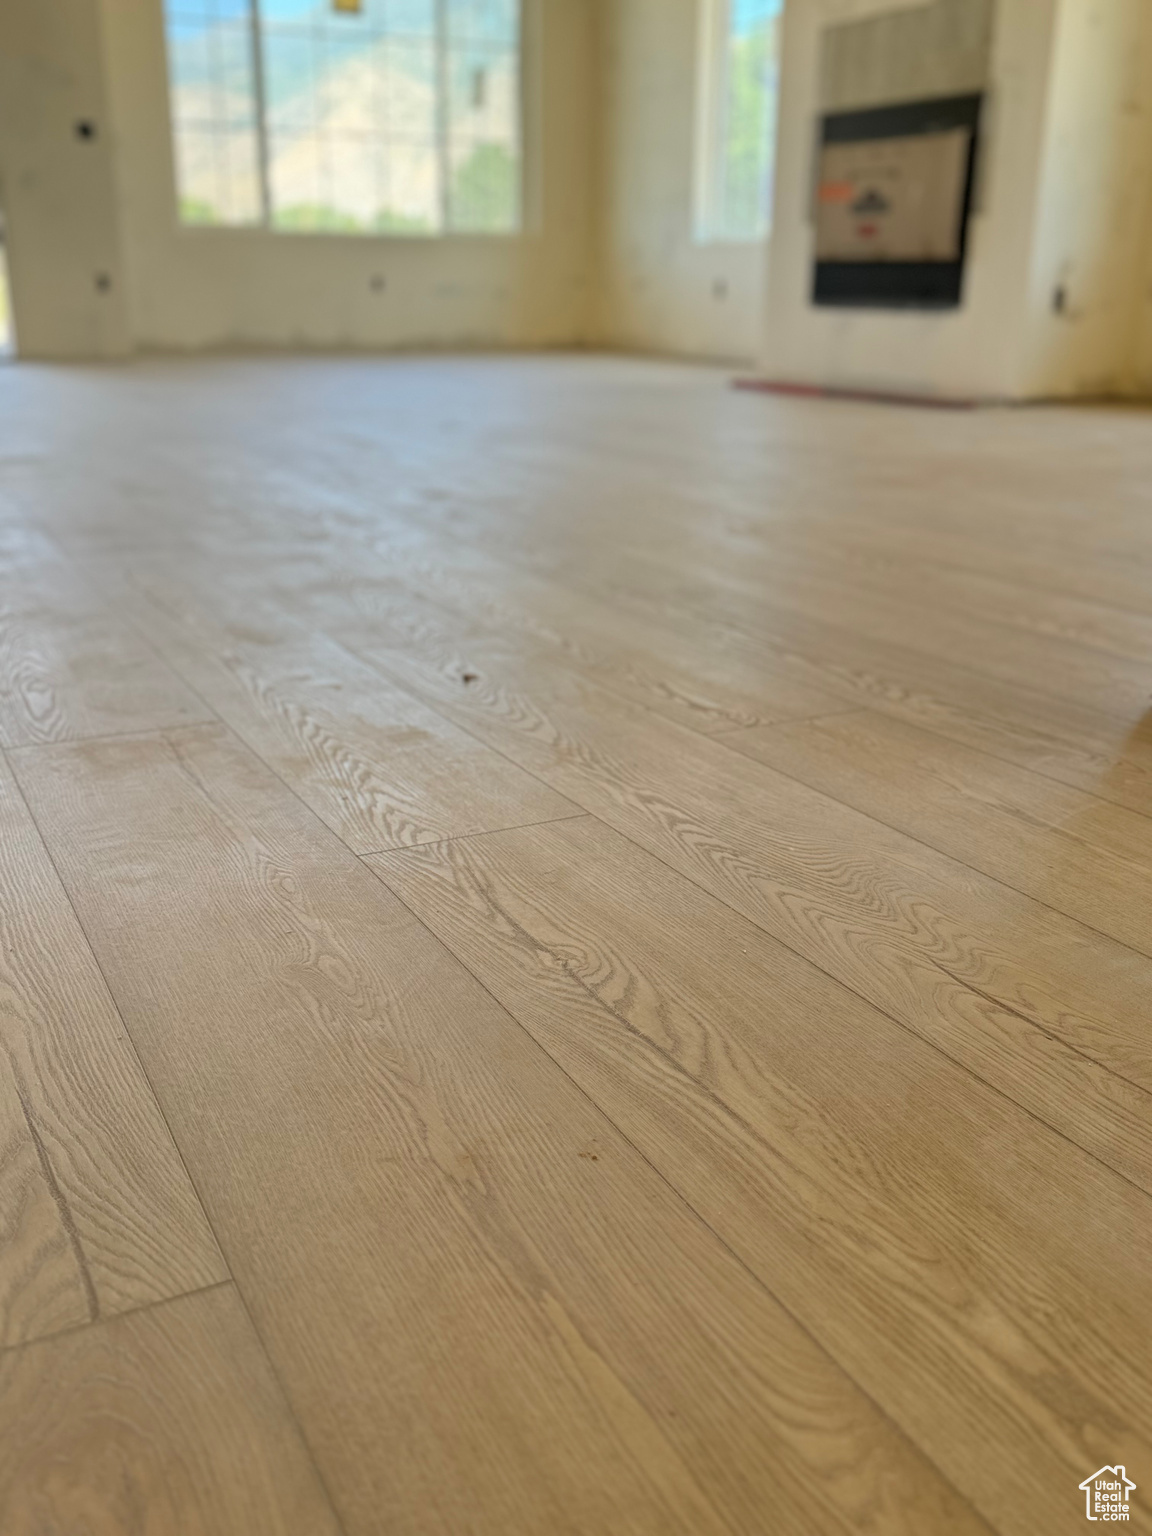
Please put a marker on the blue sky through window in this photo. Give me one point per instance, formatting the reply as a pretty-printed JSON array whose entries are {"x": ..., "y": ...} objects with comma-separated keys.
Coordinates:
[
  {"x": 355, "y": 135},
  {"x": 749, "y": 14}
]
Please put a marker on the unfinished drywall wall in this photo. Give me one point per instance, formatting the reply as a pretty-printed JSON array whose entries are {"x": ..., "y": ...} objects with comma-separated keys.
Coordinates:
[
  {"x": 940, "y": 49},
  {"x": 660, "y": 289},
  {"x": 203, "y": 287},
  {"x": 977, "y": 349},
  {"x": 57, "y": 182},
  {"x": 1058, "y": 292},
  {"x": 1091, "y": 257},
  {"x": 1140, "y": 377},
  {"x": 1058, "y": 297}
]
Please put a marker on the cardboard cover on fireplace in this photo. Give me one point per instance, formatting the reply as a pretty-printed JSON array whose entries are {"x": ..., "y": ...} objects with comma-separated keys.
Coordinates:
[{"x": 893, "y": 194}]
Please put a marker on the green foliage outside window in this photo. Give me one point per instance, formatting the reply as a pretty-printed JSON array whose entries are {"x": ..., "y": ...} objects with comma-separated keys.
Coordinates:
[
  {"x": 748, "y": 140},
  {"x": 484, "y": 190}
]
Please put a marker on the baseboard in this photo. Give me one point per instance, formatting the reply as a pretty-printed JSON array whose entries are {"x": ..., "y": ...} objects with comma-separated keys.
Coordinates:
[{"x": 872, "y": 396}]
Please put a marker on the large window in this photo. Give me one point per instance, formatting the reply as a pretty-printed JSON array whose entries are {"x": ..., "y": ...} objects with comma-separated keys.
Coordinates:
[
  {"x": 740, "y": 78},
  {"x": 385, "y": 116}
]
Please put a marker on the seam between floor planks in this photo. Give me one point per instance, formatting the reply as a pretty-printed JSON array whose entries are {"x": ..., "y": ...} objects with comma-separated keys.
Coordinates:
[
  {"x": 593, "y": 588},
  {"x": 136, "y": 1428},
  {"x": 607, "y": 682},
  {"x": 778, "y": 642},
  {"x": 736, "y": 730},
  {"x": 537, "y": 1044},
  {"x": 218, "y": 719},
  {"x": 51, "y": 1158},
  {"x": 325, "y": 832},
  {"x": 724, "y": 738},
  {"x": 836, "y": 980},
  {"x": 243, "y": 737},
  {"x": 96, "y": 1322},
  {"x": 1032, "y": 1023},
  {"x": 566, "y": 667},
  {"x": 460, "y": 837},
  {"x": 592, "y": 591},
  {"x": 664, "y": 1178},
  {"x": 975, "y": 991},
  {"x": 932, "y": 730},
  {"x": 1066, "y": 541},
  {"x": 398, "y": 861},
  {"x": 453, "y": 608},
  {"x": 7, "y": 752}
]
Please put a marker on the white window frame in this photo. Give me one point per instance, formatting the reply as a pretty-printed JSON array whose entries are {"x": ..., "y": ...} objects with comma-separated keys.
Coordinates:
[
  {"x": 713, "y": 98},
  {"x": 711, "y": 115},
  {"x": 265, "y": 220}
]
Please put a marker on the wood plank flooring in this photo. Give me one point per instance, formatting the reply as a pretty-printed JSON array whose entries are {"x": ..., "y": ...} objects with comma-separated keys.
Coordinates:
[
  {"x": 575, "y": 955},
  {"x": 168, "y": 1420},
  {"x": 775, "y": 1106},
  {"x": 70, "y": 670},
  {"x": 329, "y": 724},
  {"x": 430, "y": 1185},
  {"x": 97, "y": 1212},
  {"x": 1070, "y": 850}
]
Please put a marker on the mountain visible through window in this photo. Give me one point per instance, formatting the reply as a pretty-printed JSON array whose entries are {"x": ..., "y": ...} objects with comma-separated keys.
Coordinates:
[{"x": 390, "y": 116}]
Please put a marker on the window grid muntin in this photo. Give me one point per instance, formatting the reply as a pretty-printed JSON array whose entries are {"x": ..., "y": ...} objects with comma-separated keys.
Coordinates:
[{"x": 395, "y": 163}]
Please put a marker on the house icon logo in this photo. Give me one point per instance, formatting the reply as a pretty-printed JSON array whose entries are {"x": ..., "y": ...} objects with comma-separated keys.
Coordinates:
[{"x": 1106, "y": 1494}]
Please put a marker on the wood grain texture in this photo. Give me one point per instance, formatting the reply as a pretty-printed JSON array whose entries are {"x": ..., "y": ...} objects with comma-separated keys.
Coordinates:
[
  {"x": 834, "y": 1192},
  {"x": 375, "y": 764},
  {"x": 1070, "y": 850},
  {"x": 165, "y": 1423},
  {"x": 733, "y": 601},
  {"x": 414, "y": 577},
  {"x": 97, "y": 1215},
  {"x": 489, "y": 1311},
  {"x": 990, "y": 596},
  {"x": 974, "y": 585},
  {"x": 69, "y": 669},
  {"x": 1077, "y": 743},
  {"x": 816, "y": 1137},
  {"x": 791, "y": 593},
  {"x": 1035, "y": 1004},
  {"x": 45, "y": 1278}
]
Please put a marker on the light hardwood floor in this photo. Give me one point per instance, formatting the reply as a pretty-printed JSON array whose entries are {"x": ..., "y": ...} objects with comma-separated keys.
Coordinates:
[{"x": 575, "y": 955}]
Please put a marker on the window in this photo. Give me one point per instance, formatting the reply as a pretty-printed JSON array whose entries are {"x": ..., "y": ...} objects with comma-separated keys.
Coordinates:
[
  {"x": 385, "y": 116},
  {"x": 7, "y": 338},
  {"x": 740, "y": 58}
]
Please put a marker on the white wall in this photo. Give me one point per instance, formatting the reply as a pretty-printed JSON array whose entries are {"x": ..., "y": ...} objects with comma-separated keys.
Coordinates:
[
  {"x": 1087, "y": 295},
  {"x": 77, "y": 209},
  {"x": 975, "y": 350},
  {"x": 57, "y": 190},
  {"x": 1058, "y": 290},
  {"x": 608, "y": 254},
  {"x": 197, "y": 287},
  {"x": 661, "y": 289}
]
